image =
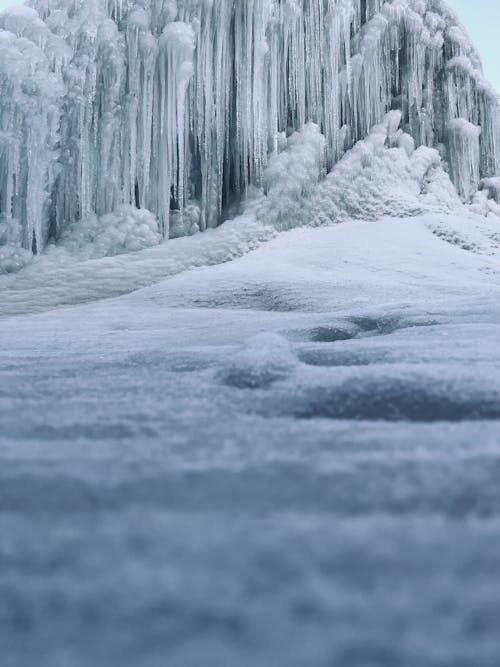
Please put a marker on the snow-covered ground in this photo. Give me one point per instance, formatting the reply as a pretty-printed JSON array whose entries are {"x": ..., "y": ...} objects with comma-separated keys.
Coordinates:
[{"x": 289, "y": 459}]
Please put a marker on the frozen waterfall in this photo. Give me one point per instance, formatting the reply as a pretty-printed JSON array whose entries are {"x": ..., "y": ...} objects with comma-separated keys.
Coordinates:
[{"x": 177, "y": 106}]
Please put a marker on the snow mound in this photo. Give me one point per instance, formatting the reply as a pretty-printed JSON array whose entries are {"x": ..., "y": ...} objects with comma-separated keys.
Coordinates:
[
  {"x": 291, "y": 178},
  {"x": 492, "y": 188},
  {"x": 186, "y": 222},
  {"x": 266, "y": 359},
  {"x": 126, "y": 230},
  {"x": 13, "y": 258},
  {"x": 381, "y": 175},
  {"x": 386, "y": 175}
]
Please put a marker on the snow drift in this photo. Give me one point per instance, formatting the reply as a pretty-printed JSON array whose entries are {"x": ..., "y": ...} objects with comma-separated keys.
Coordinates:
[{"x": 181, "y": 107}]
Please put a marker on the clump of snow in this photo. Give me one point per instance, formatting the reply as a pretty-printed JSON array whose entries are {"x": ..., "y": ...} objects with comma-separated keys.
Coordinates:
[
  {"x": 483, "y": 204},
  {"x": 492, "y": 187},
  {"x": 126, "y": 230},
  {"x": 291, "y": 176},
  {"x": 382, "y": 175},
  {"x": 185, "y": 222},
  {"x": 265, "y": 359},
  {"x": 12, "y": 256}
]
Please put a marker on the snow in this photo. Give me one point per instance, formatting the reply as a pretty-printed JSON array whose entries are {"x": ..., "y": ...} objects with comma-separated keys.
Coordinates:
[
  {"x": 290, "y": 458},
  {"x": 272, "y": 441},
  {"x": 126, "y": 230},
  {"x": 183, "y": 107},
  {"x": 492, "y": 186}
]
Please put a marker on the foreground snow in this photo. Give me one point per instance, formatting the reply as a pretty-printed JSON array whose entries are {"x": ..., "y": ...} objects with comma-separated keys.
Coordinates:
[{"x": 289, "y": 459}]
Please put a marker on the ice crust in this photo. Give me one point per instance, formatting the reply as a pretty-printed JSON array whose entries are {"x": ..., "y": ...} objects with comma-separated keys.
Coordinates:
[{"x": 181, "y": 108}]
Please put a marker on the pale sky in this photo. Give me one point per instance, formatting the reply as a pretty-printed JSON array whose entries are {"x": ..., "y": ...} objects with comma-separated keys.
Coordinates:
[
  {"x": 482, "y": 20},
  {"x": 480, "y": 17}
]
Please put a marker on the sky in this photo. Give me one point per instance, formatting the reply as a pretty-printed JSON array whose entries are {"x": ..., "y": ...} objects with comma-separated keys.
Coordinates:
[
  {"x": 482, "y": 20},
  {"x": 480, "y": 17}
]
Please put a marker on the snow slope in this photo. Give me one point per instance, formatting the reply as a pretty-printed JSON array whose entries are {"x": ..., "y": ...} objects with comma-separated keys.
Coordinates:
[{"x": 288, "y": 459}]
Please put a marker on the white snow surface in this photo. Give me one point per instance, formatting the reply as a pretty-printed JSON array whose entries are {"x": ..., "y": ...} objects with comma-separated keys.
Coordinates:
[
  {"x": 289, "y": 459},
  {"x": 276, "y": 442}
]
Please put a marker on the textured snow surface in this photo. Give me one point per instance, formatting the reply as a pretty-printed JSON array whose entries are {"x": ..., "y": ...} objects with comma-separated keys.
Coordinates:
[
  {"x": 288, "y": 459},
  {"x": 179, "y": 107}
]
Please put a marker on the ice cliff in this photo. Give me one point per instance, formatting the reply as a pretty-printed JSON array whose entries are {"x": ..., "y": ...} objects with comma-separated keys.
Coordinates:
[{"x": 179, "y": 107}]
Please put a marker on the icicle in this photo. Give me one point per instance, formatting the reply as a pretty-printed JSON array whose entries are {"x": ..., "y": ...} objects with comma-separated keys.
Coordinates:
[
  {"x": 464, "y": 156},
  {"x": 175, "y": 71}
]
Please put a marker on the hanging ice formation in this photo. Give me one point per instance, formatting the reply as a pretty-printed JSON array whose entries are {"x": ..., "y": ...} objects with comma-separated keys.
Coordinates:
[{"x": 176, "y": 105}]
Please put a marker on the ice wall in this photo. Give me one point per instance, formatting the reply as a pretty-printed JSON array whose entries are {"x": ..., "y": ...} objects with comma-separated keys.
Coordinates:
[
  {"x": 178, "y": 106},
  {"x": 498, "y": 138}
]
